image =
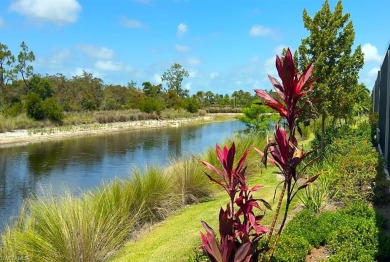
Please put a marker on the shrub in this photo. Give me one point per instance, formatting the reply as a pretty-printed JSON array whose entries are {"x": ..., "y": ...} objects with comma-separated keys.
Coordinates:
[
  {"x": 354, "y": 243},
  {"x": 291, "y": 248},
  {"x": 34, "y": 108},
  {"x": 14, "y": 110},
  {"x": 150, "y": 105},
  {"x": 52, "y": 110},
  {"x": 355, "y": 168},
  {"x": 192, "y": 105},
  {"x": 306, "y": 225}
]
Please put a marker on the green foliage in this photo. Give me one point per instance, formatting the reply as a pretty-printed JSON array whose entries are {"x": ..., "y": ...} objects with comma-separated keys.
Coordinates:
[
  {"x": 174, "y": 77},
  {"x": 259, "y": 118},
  {"x": 315, "y": 195},
  {"x": 39, "y": 109},
  {"x": 354, "y": 172},
  {"x": 355, "y": 168},
  {"x": 358, "y": 243},
  {"x": 34, "y": 108},
  {"x": 14, "y": 110},
  {"x": 336, "y": 64},
  {"x": 306, "y": 224},
  {"x": 192, "y": 105},
  {"x": 52, "y": 110},
  {"x": 291, "y": 248},
  {"x": 22, "y": 67},
  {"x": 354, "y": 233},
  {"x": 150, "y": 105},
  {"x": 41, "y": 86}
]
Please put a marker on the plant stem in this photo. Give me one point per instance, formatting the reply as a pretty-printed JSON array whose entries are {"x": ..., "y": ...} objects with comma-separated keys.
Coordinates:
[
  {"x": 282, "y": 224},
  {"x": 269, "y": 235}
]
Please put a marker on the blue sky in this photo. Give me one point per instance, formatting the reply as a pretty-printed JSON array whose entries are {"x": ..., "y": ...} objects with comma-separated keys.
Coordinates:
[{"x": 226, "y": 45}]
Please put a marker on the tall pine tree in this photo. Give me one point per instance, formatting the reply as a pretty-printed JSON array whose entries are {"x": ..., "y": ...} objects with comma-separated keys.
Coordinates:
[{"x": 336, "y": 66}]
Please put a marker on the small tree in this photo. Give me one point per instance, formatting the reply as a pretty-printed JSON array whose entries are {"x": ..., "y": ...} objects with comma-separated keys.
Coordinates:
[
  {"x": 22, "y": 67},
  {"x": 336, "y": 65},
  {"x": 174, "y": 78}
]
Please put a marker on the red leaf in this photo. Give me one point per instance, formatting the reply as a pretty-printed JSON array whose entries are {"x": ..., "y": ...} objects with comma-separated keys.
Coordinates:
[
  {"x": 255, "y": 188},
  {"x": 212, "y": 168},
  {"x": 243, "y": 253}
]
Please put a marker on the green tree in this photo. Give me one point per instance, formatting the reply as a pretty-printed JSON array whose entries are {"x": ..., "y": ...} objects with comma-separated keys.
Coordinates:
[
  {"x": 151, "y": 90},
  {"x": 362, "y": 100},
  {"x": 25, "y": 56},
  {"x": 259, "y": 118},
  {"x": 90, "y": 91},
  {"x": 41, "y": 86},
  {"x": 174, "y": 78},
  {"x": 329, "y": 45},
  {"x": 7, "y": 72},
  {"x": 115, "y": 97}
]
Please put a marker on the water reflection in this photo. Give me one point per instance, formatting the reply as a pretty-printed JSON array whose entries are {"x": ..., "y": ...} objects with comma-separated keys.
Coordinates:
[{"x": 83, "y": 163}]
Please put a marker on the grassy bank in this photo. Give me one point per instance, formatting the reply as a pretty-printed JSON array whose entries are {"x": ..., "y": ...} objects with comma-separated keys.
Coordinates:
[
  {"x": 176, "y": 238},
  {"x": 95, "y": 226},
  {"x": 10, "y": 123}
]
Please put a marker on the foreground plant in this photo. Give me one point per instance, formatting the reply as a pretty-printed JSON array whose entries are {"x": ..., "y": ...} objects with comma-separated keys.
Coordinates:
[
  {"x": 284, "y": 151},
  {"x": 239, "y": 227},
  {"x": 240, "y": 237}
]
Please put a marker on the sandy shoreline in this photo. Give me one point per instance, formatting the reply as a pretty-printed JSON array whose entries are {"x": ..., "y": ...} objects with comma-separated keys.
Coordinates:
[{"x": 22, "y": 137}]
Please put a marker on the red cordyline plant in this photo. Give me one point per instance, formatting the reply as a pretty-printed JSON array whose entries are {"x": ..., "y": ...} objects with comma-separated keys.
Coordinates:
[
  {"x": 284, "y": 151},
  {"x": 239, "y": 227}
]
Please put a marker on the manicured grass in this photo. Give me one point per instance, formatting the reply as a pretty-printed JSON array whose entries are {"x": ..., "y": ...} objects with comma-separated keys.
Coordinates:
[{"x": 176, "y": 238}]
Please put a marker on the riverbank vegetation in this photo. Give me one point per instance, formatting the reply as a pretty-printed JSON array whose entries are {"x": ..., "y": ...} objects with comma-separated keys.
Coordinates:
[
  {"x": 96, "y": 224},
  {"x": 29, "y": 100}
]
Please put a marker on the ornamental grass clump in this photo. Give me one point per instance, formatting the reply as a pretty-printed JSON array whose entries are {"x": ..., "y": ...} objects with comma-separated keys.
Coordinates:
[{"x": 240, "y": 231}]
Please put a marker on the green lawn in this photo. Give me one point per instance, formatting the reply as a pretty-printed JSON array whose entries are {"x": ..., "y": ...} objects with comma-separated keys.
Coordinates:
[{"x": 175, "y": 238}]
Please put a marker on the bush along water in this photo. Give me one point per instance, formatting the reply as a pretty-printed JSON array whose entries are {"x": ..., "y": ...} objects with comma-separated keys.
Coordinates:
[{"x": 239, "y": 229}]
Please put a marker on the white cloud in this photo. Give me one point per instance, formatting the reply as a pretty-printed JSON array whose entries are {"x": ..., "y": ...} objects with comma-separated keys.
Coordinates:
[
  {"x": 192, "y": 73},
  {"x": 182, "y": 29},
  {"x": 371, "y": 53},
  {"x": 99, "y": 52},
  {"x": 182, "y": 48},
  {"x": 373, "y": 72},
  {"x": 58, "y": 11},
  {"x": 156, "y": 79},
  {"x": 108, "y": 66},
  {"x": 132, "y": 23},
  {"x": 213, "y": 75},
  {"x": 259, "y": 30},
  {"x": 193, "y": 61},
  {"x": 59, "y": 57},
  {"x": 187, "y": 86}
]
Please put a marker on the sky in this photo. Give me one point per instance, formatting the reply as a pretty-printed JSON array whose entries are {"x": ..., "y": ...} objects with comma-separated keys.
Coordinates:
[{"x": 225, "y": 45}]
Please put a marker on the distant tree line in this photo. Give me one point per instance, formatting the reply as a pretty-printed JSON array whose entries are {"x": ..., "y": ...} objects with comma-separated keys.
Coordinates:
[{"x": 50, "y": 96}]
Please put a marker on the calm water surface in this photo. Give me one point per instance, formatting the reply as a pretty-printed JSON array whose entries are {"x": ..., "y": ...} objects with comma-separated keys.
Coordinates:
[{"x": 84, "y": 163}]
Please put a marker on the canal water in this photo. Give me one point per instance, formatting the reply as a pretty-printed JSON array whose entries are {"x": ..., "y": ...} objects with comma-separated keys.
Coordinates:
[{"x": 80, "y": 164}]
